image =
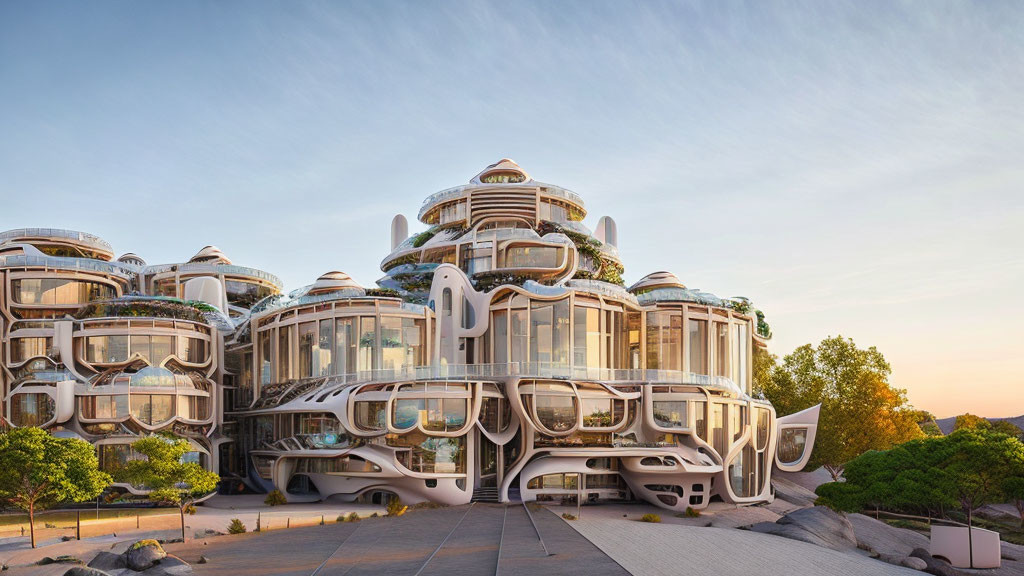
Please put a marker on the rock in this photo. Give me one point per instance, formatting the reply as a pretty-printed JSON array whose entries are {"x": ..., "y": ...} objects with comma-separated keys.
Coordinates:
[
  {"x": 85, "y": 571},
  {"x": 108, "y": 561},
  {"x": 143, "y": 554},
  {"x": 818, "y": 525},
  {"x": 203, "y": 560},
  {"x": 792, "y": 492},
  {"x": 887, "y": 540},
  {"x": 915, "y": 563},
  {"x": 934, "y": 565}
]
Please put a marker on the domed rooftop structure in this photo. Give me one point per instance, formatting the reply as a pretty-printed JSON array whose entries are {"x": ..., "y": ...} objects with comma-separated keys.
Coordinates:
[
  {"x": 332, "y": 282},
  {"x": 504, "y": 171},
  {"x": 211, "y": 255},
  {"x": 131, "y": 258},
  {"x": 656, "y": 280}
]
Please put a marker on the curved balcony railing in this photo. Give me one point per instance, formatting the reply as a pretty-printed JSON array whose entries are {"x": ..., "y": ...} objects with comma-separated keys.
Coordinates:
[
  {"x": 83, "y": 237},
  {"x": 228, "y": 269},
  {"x": 439, "y": 197},
  {"x": 118, "y": 269}
]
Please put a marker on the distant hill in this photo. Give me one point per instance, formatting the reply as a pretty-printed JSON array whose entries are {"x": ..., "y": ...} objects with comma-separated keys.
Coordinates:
[{"x": 946, "y": 424}]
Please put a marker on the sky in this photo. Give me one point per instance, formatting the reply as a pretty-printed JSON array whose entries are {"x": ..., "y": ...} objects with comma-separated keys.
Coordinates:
[{"x": 854, "y": 168}]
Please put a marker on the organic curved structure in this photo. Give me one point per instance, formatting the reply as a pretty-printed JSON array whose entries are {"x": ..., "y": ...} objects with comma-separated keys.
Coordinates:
[{"x": 501, "y": 356}]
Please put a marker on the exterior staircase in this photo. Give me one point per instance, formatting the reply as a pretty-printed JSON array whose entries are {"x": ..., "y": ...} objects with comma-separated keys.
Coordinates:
[{"x": 485, "y": 495}]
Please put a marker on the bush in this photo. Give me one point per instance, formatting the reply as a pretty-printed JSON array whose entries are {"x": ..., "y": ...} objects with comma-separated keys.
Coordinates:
[
  {"x": 236, "y": 527},
  {"x": 352, "y": 517},
  {"x": 652, "y": 518},
  {"x": 691, "y": 513},
  {"x": 275, "y": 498},
  {"x": 144, "y": 543},
  {"x": 374, "y": 515},
  {"x": 395, "y": 507},
  {"x": 190, "y": 509},
  {"x": 568, "y": 516}
]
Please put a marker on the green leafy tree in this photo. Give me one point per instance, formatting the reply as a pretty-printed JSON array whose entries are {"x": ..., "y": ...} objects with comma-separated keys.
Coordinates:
[
  {"x": 1007, "y": 427},
  {"x": 926, "y": 421},
  {"x": 969, "y": 421},
  {"x": 860, "y": 410},
  {"x": 1014, "y": 489},
  {"x": 170, "y": 480},
  {"x": 38, "y": 471}
]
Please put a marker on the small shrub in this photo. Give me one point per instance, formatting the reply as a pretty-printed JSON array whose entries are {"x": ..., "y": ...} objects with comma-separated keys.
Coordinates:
[
  {"x": 275, "y": 498},
  {"x": 144, "y": 543},
  {"x": 190, "y": 509},
  {"x": 236, "y": 527},
  {"x": 568, "y": 516},
  {"x": 427, "y": 505},
  {"x": 395, "y": 507},
  {"x": 691, "y": 513},
  {"x": 374, "y": 515},
  {"x": 48, "y": 525},
  {"x": 352, "y": 517},
  {"x": 652, "y": 518}
]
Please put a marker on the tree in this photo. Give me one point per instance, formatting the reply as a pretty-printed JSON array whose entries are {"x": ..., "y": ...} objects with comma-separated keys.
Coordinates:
[
  {"x": 971, "y": 467},
  {"x": 926, "y": 421},
  {"x": 38, "y": 471},
  {"x": 969, "y": 421},
  {"x": 169, "y": 478},
  {"x": 860, "y": 410}
]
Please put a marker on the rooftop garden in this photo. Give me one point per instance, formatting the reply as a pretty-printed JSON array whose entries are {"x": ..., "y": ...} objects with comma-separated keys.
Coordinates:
[{"x": 147, "y": 307}]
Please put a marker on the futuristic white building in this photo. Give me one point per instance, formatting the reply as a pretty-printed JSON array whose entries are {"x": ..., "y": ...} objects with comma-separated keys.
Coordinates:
[{"x": 501, "y": 356}]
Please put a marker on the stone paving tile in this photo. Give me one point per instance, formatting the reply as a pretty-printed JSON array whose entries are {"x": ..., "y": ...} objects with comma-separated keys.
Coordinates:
[{"x": 669, "y": 550}]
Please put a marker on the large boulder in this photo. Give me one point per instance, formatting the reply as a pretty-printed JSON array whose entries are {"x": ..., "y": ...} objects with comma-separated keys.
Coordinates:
[
  {"x": 109, "y": 562},
  {"x": 885, "y": 539},
  {"x": 144, "y": 554},
  {"x": 934, "y": 565},
  {"x": 819, "y": 525},
  {"x": 85, "y": 571}
]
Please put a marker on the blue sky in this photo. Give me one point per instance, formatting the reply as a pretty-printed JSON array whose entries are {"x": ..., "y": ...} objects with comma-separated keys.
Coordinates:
[{"x": 854, "y": 168}]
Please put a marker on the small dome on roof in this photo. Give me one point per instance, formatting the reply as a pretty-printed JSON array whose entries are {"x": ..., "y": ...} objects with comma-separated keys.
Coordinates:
[
  {"x": 657, "y": 280},
  {"x": 131, "y": 258},
  {"x": 332, "y": 282},
  {"x": 504, "y": 171},
  {"x": 211, "y": 254}
]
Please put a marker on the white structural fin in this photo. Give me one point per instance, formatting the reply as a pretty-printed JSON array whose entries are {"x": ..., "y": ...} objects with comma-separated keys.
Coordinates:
[
  {"x": 607, "y": 231},
  {"x": 399, "y": 230}
]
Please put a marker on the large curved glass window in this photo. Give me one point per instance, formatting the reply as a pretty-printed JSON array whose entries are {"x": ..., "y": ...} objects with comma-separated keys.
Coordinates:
[
  {"x": 433, "y": 455},
  {"x": 664, "y": 340},
  {"x": 245, "y": 294},
  {"x": 407, "y": 412},
  {"x": 369, "y": 415},
  {"x": 104, "y": 407},
  {"x": 152, "y": 409},
  {"x": 153, "y": 376},
  {"x": 32, "y": 409},
  {"x": 495, "y": 414},
  {"x": 763, "y": 418},
  {"x": 106, "y": 349},
  {"x": 339, "y": 465},
  {"x": 670, "y": 414},
  {"x": 556, "y": 413},
  {"x": 549, "y": 333},
  {"x": 792, "y": 442},
  {"x": 58, "y": 292},
  {"x": 193, "y": 407},
  {"x": 401, "y": 342},
  {"x": 193, "y": 350},
  {"x": 698, "y": 342},
  {"x": 24, "y": 348},
  {"x": 533, "y": 257}
]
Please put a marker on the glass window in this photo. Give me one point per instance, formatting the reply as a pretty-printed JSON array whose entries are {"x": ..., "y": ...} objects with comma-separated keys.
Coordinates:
[
  {"x": 401, "y": 342},
  {"x": 307, "y": 344},
  {"x": 763, "y": 419},
  {"x": 664, "y": 340},
  {"x": 369, "y": 415},
  {"x": 740, "y": 347},
  {"x": 104, "y": 407},
  {"x": 533, "y": 257},
  {"x": 698, "y": 346},
  {"x": 587, "y": 337},
  {"x": 721, "y": 349},
  {"x": 367, "y": 343},
  {"x": 407, "y": 412},
  {"x": 32, "y": 409},
  {"x": 266, "y": 375},
  {"x": 106, "y": 349},
  {"x": 59, "y": 292},
  {"x": 700, "y": 422},
  {"x": 345, "y": 346},
  {"x": 792, "y": 442},
  {"x": 670, "y": 414},
  {"x": 556, "y": 413},
  {"x": 284, "y": 353},
  {"x": 499, "y": 329},
  {"x": 718, "y": 428},
  {"x": 192, "y": 350},
  {"x": 520, "y": 336},
  {"x": 322, "y": 352},
  {"x": 549, "y": 333},
  {"x": 24, "y": 348},
  {"x": 597, "y": 412},
  {"x": 161, "y": 348},
  {"x": 152, "y": 409},
  {"x": 633, "y": 333},
  {"x": 454, "y": 413}
]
